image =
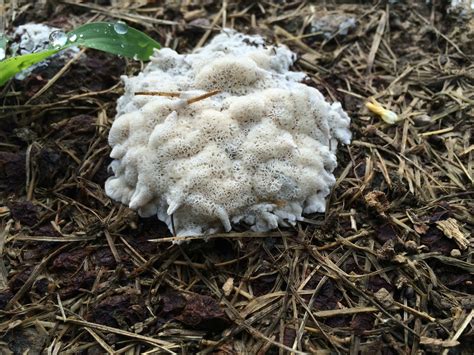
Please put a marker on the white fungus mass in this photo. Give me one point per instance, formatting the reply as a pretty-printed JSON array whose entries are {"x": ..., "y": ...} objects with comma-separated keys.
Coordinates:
[{"x": 259, "y": 153}]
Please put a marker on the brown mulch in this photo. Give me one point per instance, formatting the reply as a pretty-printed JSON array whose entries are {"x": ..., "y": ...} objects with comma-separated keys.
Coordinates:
[{"x": 386, "y": 270}]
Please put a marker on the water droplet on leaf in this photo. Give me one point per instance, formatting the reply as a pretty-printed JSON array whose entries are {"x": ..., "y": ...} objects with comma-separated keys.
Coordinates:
[
  {"x": 58, "y": 38},
  {"x": 73, "y": 38},
  {"x": 2, "y": 53},
  {"x": 120, "y": 27}
]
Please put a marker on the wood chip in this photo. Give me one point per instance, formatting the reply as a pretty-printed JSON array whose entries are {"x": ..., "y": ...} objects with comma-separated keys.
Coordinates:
[{"x": 451, "y": 229}]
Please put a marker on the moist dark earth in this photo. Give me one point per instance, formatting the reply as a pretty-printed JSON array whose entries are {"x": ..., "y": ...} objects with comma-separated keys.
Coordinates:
[{"x": 386, "y": 270}]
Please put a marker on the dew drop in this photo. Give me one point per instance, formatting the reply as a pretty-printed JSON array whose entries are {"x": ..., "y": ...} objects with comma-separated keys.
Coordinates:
[
  {"x": 58, "y": 38},
  {"x": 73, "y": 38},
  {"x": 120, "y": 27},
  {"x": 2, "y": 53},
  {"x": 135, "y": 57}
]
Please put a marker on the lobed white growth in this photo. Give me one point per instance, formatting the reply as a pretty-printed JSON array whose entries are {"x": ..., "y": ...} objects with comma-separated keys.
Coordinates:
[
  {"x": 463, "y": 8},
  {"x": 31, "y": 38},
  {"x": 260, "y": 153}
]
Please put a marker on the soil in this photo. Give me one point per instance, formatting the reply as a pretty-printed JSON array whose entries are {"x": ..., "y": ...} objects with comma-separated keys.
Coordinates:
[{"x": 386, "y": 270}]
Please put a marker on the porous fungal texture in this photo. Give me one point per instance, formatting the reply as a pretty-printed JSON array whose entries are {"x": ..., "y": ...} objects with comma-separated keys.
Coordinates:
[{"x": 259, "y": 154}]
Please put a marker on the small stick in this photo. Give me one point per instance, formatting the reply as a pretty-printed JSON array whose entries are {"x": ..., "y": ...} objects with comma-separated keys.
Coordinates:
[
  {"x": 177, "y": 94},
  {"x": 202, "y": 97},
  {"x": 158, "y": 93}
]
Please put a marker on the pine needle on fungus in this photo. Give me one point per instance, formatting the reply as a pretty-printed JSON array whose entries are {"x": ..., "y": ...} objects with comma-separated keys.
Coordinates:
[{"x": 178, "y": 94}]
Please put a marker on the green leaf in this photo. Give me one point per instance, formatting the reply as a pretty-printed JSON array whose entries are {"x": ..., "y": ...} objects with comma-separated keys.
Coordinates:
[
  {"x": 117, "y": 38},
  {"x": 9, "y": 67}
]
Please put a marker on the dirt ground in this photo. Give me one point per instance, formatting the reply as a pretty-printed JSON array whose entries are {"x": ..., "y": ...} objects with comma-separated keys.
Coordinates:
[{"x": 386, "y": 270}]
